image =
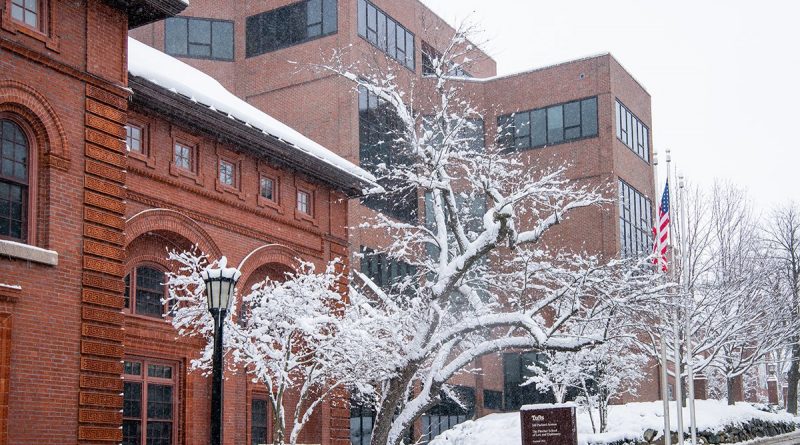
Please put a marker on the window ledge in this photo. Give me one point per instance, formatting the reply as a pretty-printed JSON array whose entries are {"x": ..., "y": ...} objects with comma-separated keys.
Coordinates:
[{"x": 27, "y": 252}]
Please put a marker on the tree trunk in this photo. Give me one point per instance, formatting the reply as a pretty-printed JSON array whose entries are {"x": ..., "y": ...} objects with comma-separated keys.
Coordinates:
[
  {"x": 603, "y": 409},
  {"x": 731, "y": 398},
  {"x": 792, "y": 379},
  {"x": 394, "y": 395}
]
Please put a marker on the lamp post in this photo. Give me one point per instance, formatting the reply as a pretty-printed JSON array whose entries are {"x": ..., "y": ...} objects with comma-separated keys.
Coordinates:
[{"x": 220, "y": 283}]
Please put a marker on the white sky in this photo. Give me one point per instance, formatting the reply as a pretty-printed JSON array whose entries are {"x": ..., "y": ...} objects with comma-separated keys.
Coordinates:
[{"x": 724, "y": 76}]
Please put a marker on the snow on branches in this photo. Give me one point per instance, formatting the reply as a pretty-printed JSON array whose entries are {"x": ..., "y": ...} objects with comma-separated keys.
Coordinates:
[
  {"x": 297, "y": 335},
  {"x": 482, "y": 279}
]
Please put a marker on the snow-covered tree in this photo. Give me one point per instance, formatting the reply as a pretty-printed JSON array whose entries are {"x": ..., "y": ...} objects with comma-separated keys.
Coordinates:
[
  {"x": 298, "y": 336},
  {"x": 483, "y": 280},
  {"x": 783, "y": 235},
  {"x": 599, "y": 374}
]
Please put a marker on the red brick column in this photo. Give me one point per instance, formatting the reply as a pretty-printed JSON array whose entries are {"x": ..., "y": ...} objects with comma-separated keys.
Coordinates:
[{"x": 100, "y": 416}]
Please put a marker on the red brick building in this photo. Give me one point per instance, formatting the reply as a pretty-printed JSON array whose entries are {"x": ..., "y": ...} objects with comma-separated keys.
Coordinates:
[
  {"x": 85, "y": 223},
  {"x": 589, "y": 113}
]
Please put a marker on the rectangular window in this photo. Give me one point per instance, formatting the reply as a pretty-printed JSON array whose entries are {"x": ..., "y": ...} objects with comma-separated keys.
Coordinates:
[
  {"x": 267, "y": 188},
  {"x": 290, "y": 25},
  {"x": 227, "y": 173},
  {"x": 635, "y": 222},
  {"x": 184, "y": 157},
  {"x": 385, "y": 33},
  {"x": 383, "y": 270},
  {"x": 492, "y": 399},
  {"x": 632, "y": 132},
  {"x": 149, "y": 403},
  {"x": 552, "y": 125},
  {"x": 304, "y": 202},
  {"x": 133, "y": 138},
  {"x": 449, "y": 413},
  {"x": 199, "y": 38},
  {"x": 258, "y": 421},
  {"x": 379, "y": 127},
  {"x": 27, "y": 12}
]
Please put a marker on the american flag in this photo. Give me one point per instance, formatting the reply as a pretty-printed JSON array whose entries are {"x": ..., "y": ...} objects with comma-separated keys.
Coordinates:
[{"x": 661, "y": 231}]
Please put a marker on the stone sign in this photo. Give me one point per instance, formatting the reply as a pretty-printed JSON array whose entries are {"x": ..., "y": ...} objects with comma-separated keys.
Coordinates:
[{"x": 552, "y": 424}]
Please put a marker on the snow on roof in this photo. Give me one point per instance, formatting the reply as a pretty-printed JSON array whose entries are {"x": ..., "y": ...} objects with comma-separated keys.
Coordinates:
[{"x": 178, "y": 77}]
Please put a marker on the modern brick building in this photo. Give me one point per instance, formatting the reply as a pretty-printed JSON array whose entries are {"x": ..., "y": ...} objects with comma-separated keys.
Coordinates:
[
  {"x": 590, "y": 114},
  {"x": 85, "y": 224}
]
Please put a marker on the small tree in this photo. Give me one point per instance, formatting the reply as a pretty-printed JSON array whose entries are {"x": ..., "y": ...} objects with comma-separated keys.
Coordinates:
[
  {"x": 599, "y": 374},
  {"x": 298, "y": 336}
]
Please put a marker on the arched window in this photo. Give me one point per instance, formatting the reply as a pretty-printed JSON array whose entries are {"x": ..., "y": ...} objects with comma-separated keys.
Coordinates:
[
  {"x": 144, "y": 290},
  {"x": 14, "y": 181}
]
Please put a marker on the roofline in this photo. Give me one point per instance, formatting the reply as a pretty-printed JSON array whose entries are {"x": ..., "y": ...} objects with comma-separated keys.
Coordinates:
[
  {"x": 220, "y": 126},
  {"x": 543, "y": 68},
  {"x": 143, "y": 12}
]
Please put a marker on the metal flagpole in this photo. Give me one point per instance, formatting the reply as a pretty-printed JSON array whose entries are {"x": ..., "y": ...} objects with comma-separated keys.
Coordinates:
[
  {"x": 664, "y": 376},
  {"x": 676, "y": 329},
  {"x": 685, "y": 281}
]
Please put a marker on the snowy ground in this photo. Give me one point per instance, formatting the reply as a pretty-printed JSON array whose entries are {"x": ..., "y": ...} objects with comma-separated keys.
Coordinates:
[{"x": 625, "y": 422}]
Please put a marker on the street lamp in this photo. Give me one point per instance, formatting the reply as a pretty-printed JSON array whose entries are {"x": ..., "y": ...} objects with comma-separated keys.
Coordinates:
[{"x": 220, "y": 283}]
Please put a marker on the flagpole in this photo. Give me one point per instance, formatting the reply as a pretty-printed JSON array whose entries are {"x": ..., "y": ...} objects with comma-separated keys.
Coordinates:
[
  {"x": 676, "y": 327},
  {"x": 685, "y": 280},
  {"x": 662, "y": 340}
]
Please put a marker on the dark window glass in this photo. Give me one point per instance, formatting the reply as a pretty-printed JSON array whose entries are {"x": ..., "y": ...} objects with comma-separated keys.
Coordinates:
[
  {"x": 552, "y": 125},
  {"x": 222, "y": 40},
  {"x": 492, "y": 399},
  {"x": 378, "y": 128},
  {"x": 635, "y": 221},
  {"x": 448, "y": 413},
  {"x": 13, "y": 181},
  {"x": 555, "y": 124},
  {"x": 148, "y": 404},
  {"x": 149, "y": 291},
  {"x": 200, "y": 38},
  {"x": 631, "y": 131},
  {"x": 258, "y": 422},
  {"x": 132, "y": 368},
  {"x": 362, "y": 12},
  {"x": 589, "y": 117},
  {"x": 290, "y": 25},
  {"x": 538, "y": 128},
  {"x": 361, "y": 423},
  {"x": 383, "y": 270},
  {"x": 516, "y": 372},
  {"x": 381, "y": 30}
]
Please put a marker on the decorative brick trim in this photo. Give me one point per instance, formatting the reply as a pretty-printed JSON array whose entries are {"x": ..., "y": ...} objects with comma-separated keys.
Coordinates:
[
  {"x": 5, "y": 374},
  {"x": 103, "y": 250},
  {"x": 102, "y": 315},
  {"x": 100, "y": 416},
  {"x": 268, "y": 254},
  {"x": 306, "y": 246},
  {"x": 101, "y": 366},
  {"x": 16, "y": 95},
  {"x": 171, "y": 221},
  {"x": 99, "y": 399},
  {"x": 107, "y": 156},
  {"x": 102, "y": 332},
  {"x": 103, "y": 234},
  {"x": 96, "y": 434}
]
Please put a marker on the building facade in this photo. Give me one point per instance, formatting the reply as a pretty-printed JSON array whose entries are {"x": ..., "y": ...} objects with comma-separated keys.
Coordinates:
[
  {"x": 590, "y": 114},
  {"x": 102, "y": 172}
]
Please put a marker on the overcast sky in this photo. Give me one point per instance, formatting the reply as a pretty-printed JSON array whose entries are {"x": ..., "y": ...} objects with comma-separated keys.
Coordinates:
[{"x": 724, "y": 76}]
